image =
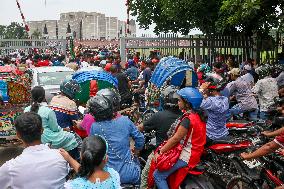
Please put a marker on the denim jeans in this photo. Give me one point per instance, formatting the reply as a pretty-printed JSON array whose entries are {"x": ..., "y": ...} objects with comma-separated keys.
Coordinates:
[
  {"x": 161, "y": 177},
  {"x": 235, "y": 110},
  {"x": 263, "y": 115}
]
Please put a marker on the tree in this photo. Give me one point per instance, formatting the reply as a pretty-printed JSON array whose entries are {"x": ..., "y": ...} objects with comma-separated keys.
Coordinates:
[
  {"x": 13, "y": 31},
  {"x": 250, "y": 16},
  {"x": 210, "y": 16},
  {"x": 36, "y": 34}
]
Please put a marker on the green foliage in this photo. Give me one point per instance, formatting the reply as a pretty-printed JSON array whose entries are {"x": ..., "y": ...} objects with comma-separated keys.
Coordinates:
[
  {"x": 210, "y": 16},
  {"x": 13, "y": 31},
  {"x": 36, "y": 34}
]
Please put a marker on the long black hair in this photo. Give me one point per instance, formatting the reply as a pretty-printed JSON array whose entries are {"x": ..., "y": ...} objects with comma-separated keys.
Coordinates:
[
  {"x": 38, "y": 96},
  {"x": 199, "y": 111},
  {"x": 93, "y": 152}
]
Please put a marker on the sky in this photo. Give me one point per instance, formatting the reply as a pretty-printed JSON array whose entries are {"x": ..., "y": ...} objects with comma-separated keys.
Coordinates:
[{"x": 35, "y": 10}]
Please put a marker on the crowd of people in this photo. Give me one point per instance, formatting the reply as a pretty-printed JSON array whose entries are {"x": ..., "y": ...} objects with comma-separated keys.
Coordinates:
[{"x": 191, "y": 117}]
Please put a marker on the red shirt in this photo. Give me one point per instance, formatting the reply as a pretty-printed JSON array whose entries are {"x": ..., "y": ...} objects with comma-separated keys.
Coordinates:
[
  {"x": 43, "y": 63},
  {"x": 280, "y": 140}
]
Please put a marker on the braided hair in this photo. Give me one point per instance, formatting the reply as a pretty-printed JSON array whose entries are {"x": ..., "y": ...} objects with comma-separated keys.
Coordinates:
[{"x": 38, "y": 96}]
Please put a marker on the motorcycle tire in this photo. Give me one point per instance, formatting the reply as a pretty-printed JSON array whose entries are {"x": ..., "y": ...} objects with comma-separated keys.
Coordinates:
[
  {"x": 241, "y": 182},
  {"x": 196, "y": 182}
]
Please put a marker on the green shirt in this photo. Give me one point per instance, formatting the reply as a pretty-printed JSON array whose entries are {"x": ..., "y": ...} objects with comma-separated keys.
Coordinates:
[{"x": 52, "y": 132}]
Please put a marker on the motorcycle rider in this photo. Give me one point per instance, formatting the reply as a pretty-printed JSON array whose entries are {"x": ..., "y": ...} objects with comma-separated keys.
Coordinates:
[
  {"x": 266, "y": 89},
  {"x": 88, "y": 119},
  {"x": 64, "y": 105},
  {"x": 241, "y": 89},
  {"x": 216, "y": 107},
  {"x": 52, "y": 134},
  {"x": 117, "y": 132},
  {"x": 132, "y": 71},
  {"x": 123, "y": 85},
  {"x": 160, "y": 122},
  {"x": 272, "y": 146},
  {"x": 190, "y": 124}
]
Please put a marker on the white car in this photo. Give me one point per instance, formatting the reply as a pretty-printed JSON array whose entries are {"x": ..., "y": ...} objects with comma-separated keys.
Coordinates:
[{"x": 50, "y": 78}]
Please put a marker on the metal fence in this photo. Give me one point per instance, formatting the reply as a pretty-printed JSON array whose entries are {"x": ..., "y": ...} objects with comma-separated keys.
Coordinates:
[
  {"x": 206, "y": 47},
  {"x": 8, "y": 46}
]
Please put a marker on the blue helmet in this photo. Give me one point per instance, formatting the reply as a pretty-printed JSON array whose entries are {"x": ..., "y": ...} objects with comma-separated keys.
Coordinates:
[
  {"x": 131, "y": 63},
  {"x": 192, "y": 96}
]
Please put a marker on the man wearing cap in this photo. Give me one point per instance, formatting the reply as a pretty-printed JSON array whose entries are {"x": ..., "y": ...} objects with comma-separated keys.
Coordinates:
[
  {"x": 248, "y": 74},
  {"x": 244, "y": 95}
]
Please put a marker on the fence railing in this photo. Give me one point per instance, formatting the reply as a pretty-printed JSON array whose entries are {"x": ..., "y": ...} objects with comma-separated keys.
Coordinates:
[
  {"x": 205, "y": 47},
  {"x": 28, "y": 45}
]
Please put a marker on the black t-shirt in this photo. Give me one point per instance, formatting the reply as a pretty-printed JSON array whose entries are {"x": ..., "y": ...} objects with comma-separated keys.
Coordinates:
[
  {"x": 161, "y": 123},
  {"x": 185, "y": 123},
  {"x": 123, "y": 88}
]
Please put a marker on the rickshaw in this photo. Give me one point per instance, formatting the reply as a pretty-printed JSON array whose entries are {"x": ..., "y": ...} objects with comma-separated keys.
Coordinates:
[
  {"x": 91, "y": 82},
  {"x": 15, "y": 87},
  {"x": 169, "y": 71}
]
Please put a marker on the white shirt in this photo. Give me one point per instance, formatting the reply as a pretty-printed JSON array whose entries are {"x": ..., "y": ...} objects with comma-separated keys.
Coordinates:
[
  {"x": 267, "y": 90},
  {"x": 249, "y": 79},
  {"x": 37, "y": 167},
  {"x": 84, "y": 64}
]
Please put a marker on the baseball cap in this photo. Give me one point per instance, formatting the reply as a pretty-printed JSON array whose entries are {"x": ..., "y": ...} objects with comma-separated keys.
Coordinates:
[{"x": 234, "y": 71}]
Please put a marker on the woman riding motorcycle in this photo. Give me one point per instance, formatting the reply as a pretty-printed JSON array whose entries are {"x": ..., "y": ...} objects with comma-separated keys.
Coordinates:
[
  {"x": 117, "y": 132},
  {"x": 190, "y": 124},
  {"x": 52, "y": 134}
]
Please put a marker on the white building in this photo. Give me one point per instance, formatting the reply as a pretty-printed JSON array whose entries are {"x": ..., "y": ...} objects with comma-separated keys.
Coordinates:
[{"x": 84, "y": 25}]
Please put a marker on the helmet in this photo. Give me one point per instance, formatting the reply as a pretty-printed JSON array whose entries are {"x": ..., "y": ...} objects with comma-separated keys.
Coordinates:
[
  {"x": 276, "y": 70},
  {"x": 192, "y": 96},
  {"x": 100, "y": 107},
  {"x": 216, "y": 81},
  {"x": 131, "y": 63},
  {"x": 70, "y": 88},
  {"x": 112, "y": 96},
  {"x": 263, "y": 71},
  {"x": 169, "y": 96}
]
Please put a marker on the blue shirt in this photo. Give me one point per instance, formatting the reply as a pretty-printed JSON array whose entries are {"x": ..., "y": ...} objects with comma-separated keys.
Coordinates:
[
  {"x": 117, "y": 133},
  {"x": 216, "y": 108},
  {"x": 147, "y": 74},
  {"x": 82, "y": 183},
  {"x": 65, "y": 120}
]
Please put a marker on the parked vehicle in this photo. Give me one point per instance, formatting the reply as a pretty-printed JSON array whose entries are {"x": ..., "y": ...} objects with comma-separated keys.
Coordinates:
[{"x": 50, "y": 78}]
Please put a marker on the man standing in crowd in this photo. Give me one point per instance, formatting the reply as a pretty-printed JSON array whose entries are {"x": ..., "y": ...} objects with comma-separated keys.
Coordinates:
[{"x": 38, "y": 166}]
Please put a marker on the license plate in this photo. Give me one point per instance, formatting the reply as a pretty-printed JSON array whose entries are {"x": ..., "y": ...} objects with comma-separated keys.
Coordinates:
[{"x": 252, "y": 164}]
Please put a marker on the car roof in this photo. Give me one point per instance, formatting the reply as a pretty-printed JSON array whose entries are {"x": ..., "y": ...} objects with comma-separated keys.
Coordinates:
[{"x": 52, "y": 69}]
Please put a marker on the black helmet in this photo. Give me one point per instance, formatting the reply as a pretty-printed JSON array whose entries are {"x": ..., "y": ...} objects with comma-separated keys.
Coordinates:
[
  {"x": 70, "y": 88},
  {"x": 263, "y": 71},
  {"x": 169, "y": 97},
  {"x": 100, "y": 107},
  {"x": 112, "y": 96},
  {"x": 217, "y": 82}
]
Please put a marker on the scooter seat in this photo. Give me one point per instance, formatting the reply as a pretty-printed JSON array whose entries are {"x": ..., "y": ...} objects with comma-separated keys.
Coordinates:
[{"x": 227, "y": 141}]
